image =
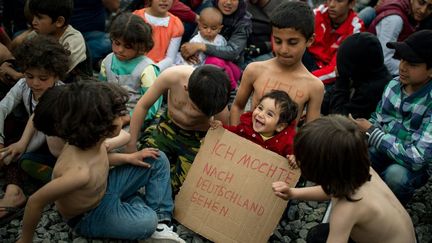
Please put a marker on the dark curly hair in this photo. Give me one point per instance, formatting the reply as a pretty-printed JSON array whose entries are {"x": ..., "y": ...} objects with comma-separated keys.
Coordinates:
[
  {"x": 288, "y": 108},
  {"x": 81, "y": 113},
  {"x": 53, "y": 8},
  {"x": 133, "y": 30},
  {"x": 43, "y": 52},
  {"x": 296, "y": 15},
  {"x": 332, "y": 152}
]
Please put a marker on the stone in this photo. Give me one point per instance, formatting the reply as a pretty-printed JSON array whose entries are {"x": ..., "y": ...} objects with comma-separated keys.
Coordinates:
[
  {"x": 303, "y": 233},
  {"x": 79, "y": 240}
]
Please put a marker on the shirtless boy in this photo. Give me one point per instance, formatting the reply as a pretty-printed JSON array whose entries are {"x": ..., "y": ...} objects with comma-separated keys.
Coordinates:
[
  {"x": 194, "y": 97},
  {"x": 94, "y": 200},
  {"x": 364, "y": 209},
  {"x": 293, "y": 28}
]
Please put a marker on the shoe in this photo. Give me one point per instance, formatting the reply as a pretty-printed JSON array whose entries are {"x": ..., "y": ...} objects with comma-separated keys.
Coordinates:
[{"x": 165, "y": 234}]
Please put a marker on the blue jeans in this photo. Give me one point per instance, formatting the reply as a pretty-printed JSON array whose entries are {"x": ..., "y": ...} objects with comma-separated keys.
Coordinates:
[
  {"x": 401, "y": 180},
  {"x": 125, "y": 214},
  {"x": 99, "y": 44}
]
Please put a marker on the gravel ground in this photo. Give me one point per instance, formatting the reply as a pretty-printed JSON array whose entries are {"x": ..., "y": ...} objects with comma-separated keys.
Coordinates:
[{"x": 297, "y": 220}]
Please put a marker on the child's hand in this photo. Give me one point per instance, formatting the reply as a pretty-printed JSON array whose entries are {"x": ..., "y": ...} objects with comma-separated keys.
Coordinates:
[
  {"x": 193, "y": 60},
  {"x": 361, "y": 123},
  {"x": 292, "y": 161},
  {"x": 189, "y": 49},
  {"x": 282, "y": 190},
  {"x": 214, "y": 124},
  {"x": 138, "y": 157},
  {"x": 8, "y": 75},
  {"x": 12, "y": 152}
]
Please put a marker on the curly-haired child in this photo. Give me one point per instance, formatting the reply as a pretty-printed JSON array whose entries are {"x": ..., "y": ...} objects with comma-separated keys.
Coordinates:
[
  {"x": 93, "y": 199},
  {"x": 44, "y": 62}
]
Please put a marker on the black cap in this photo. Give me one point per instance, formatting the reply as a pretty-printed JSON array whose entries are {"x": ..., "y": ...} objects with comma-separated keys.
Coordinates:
[{"x": 417, "y": 48}]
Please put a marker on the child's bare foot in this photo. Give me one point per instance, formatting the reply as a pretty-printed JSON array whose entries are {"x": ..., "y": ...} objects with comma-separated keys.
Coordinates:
[{"x": 14, "y": 197}]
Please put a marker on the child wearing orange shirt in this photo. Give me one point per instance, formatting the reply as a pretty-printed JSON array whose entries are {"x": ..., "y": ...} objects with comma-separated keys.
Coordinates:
[{"x": 167, "y": 32}]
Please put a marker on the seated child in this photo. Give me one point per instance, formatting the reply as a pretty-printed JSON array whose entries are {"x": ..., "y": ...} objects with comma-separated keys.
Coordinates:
[
  {"x": 237, "y": 26},
  {"x": 399, "y": 131},
  {"x": 209, "y": 27},
  {"x": 293, "y": 31},
  {"x": 363, "y": 209},
  {"x": 335, "y": 20},
  {"x": 94, "y": 200},
  {"x": 167, "y": 32},
  {"x": 44, "y": 62},
  {"x": 361, "y": 77},
  {"x": 51, "y": 17},
  {"x": 194, "y": 97},
  {"x": 128, "y": 65},
  {"x": 271, "y": 124}
]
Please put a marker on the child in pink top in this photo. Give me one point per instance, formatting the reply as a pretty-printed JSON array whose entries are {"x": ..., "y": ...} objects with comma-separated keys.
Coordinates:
[{"x": 167, "y": 32}]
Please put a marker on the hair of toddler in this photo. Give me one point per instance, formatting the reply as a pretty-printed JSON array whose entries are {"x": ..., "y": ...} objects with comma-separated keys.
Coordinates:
[
  {"x": 288, "y": 108},
  {"x": 212, "y": 11}
]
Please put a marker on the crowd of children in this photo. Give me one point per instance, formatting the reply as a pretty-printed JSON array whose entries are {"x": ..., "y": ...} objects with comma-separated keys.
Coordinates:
[{"x": 96, "y": 144}]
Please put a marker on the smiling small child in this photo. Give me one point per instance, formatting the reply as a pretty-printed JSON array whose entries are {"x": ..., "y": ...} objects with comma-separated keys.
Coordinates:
[{"x": 272, "y": 124}]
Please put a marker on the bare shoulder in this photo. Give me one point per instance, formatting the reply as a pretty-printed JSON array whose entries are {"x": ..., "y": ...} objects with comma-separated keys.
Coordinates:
[
  {"x": 257, "y": 65},
  {"x": 176, "y": 74},
  {"x": 314, "y": 82}
]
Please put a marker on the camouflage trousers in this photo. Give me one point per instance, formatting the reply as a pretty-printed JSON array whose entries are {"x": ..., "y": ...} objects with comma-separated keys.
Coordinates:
[{"x": 180, "y": 146}]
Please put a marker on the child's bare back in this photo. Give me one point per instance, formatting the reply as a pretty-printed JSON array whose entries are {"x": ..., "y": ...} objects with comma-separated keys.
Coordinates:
[
  {"x": 89, "y": 169},
  {"x": 260, "y": 78},
  {"x": 377, "y": 217}
]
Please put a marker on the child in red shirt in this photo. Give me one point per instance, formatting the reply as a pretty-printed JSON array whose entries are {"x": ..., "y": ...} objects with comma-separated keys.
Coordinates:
[{"x": 272, "y": 124}]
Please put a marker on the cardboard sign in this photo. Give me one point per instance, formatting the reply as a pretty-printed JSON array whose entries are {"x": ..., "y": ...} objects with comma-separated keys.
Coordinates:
[{"x": 227, "y": 195}]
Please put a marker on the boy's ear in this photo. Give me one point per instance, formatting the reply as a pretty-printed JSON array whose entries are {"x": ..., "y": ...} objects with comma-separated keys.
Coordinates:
[
  {"x": 60, "y": 22},
  {"x": 185, "y": 88},
  {"x": 220, "y": 28},
  {"x": 429, "y": 72},
  {"x": 311, "y": 40},
  {"x": 281, "y": 126}
]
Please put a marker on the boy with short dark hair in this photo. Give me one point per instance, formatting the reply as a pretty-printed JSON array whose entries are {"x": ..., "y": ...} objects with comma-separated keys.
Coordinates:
[
  {"x": 293, "y": 27},
  {"x": 332, "y": 152},
  {"x": 194, "y": 97},
  {"x": 334, "y": 22},
  {"x": 51, "y": 17},
  {"x": 400, "y": 129}
]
